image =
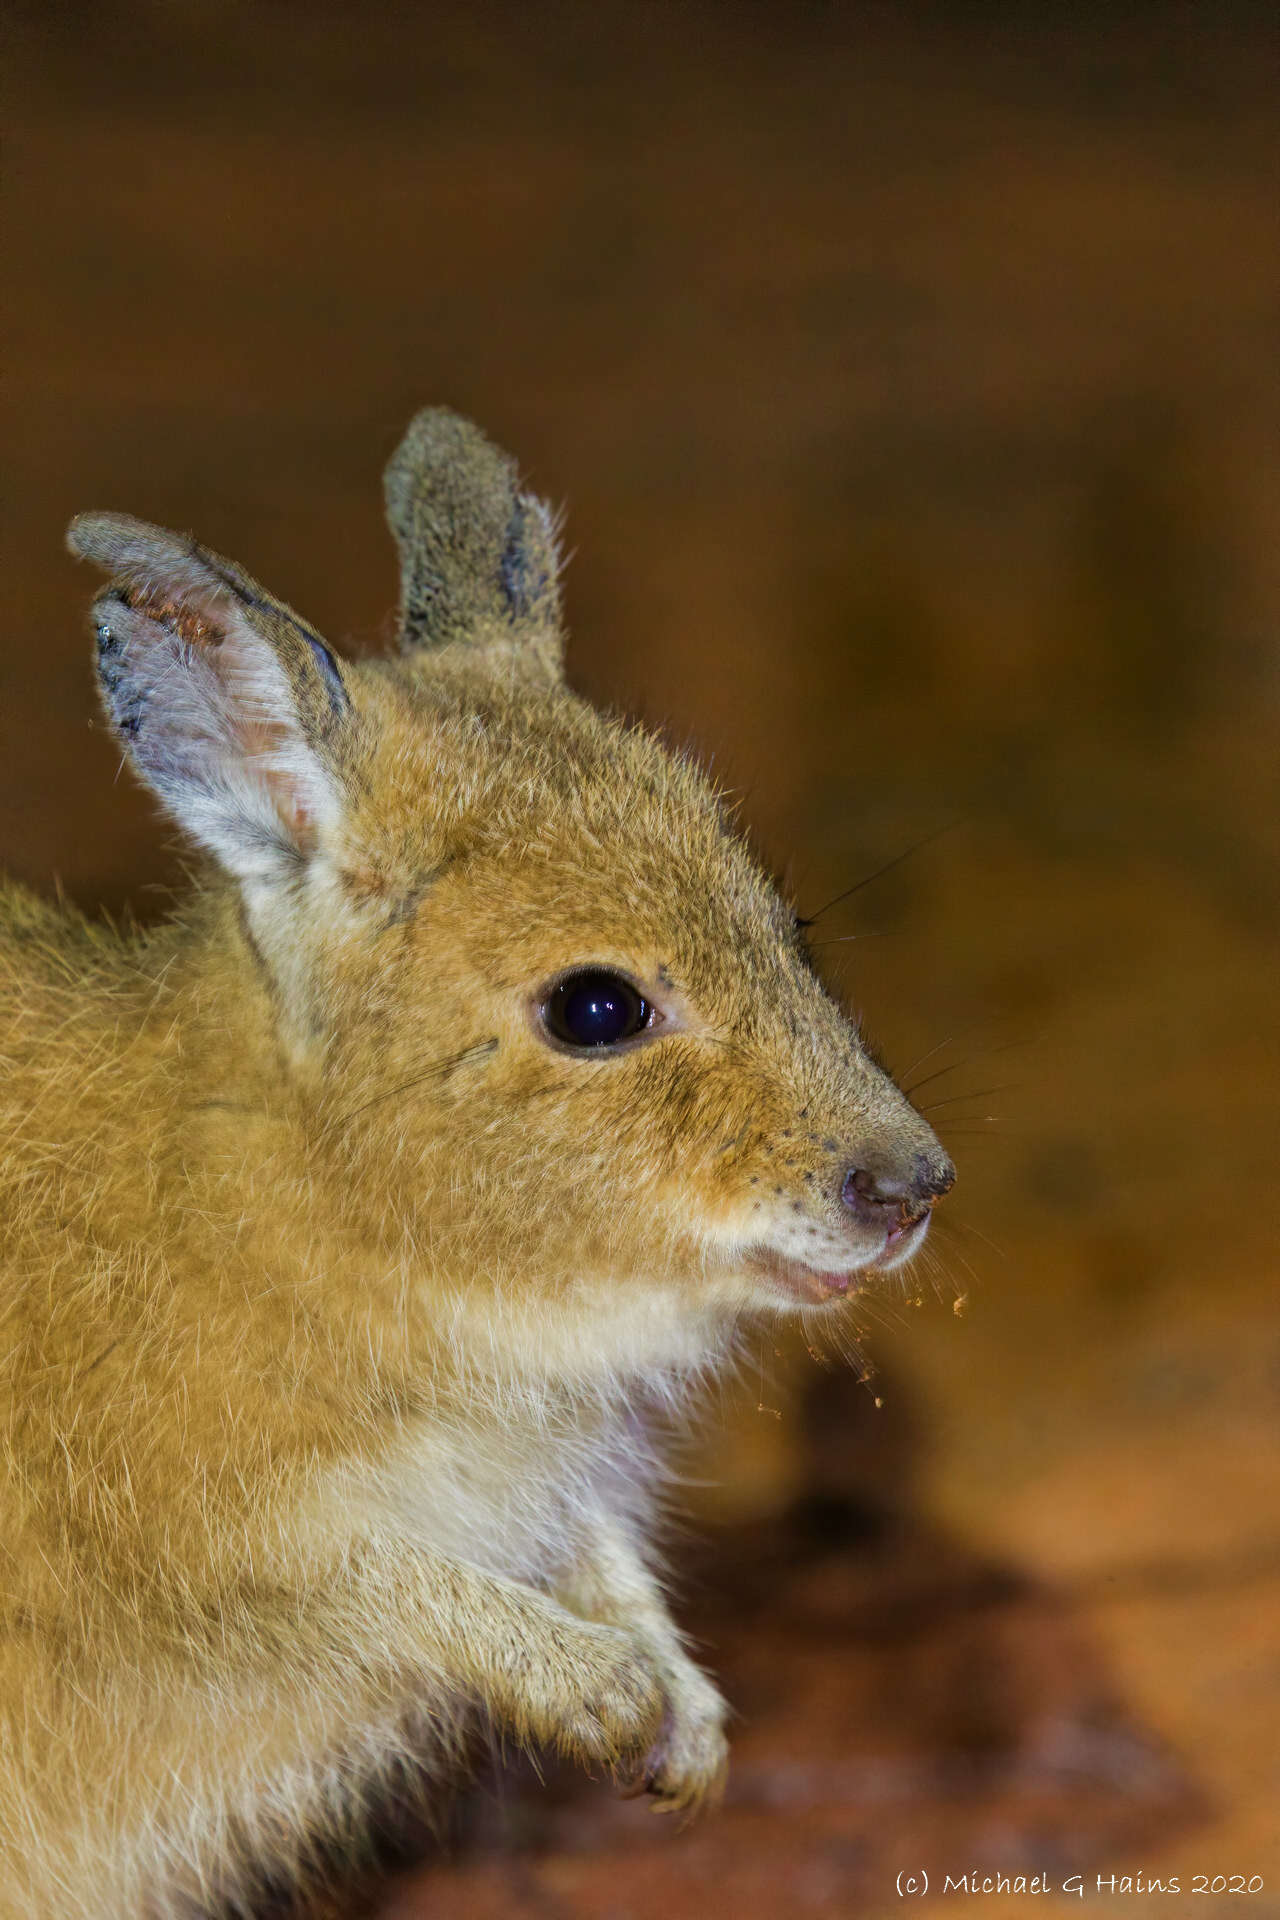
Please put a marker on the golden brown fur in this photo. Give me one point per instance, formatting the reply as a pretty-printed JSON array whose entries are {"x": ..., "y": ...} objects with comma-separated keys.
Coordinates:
[{"x": 333, "y": 1292}]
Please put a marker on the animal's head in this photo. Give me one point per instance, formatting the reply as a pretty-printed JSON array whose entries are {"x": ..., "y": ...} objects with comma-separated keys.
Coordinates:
[{"x": 553, "y": 1026}]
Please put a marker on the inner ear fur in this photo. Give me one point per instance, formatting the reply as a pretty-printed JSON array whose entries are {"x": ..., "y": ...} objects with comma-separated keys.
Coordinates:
[
  {"x": 229, "y": 704},
  {"x": 479, "y": 560}
]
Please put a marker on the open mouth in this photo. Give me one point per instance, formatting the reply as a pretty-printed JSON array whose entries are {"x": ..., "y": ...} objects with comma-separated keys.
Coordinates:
[
  {"x": 814, "y": 1286},
  {"x": 806, "y": 1284},
  {"x": 901, "y": 1241}
]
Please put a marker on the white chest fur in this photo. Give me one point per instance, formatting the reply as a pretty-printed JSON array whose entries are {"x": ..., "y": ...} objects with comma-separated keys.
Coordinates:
[{"x": 513, "y": 1497}]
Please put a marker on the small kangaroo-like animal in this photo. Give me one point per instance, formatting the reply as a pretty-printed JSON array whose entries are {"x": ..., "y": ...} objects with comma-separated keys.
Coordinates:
[{"x": 356, "y": 1218}]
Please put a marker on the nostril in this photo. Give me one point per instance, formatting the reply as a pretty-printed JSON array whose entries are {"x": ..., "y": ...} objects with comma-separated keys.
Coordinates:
[
  {"x": 865, "y": 1191},
  {"x": 907, "y": 1190}
]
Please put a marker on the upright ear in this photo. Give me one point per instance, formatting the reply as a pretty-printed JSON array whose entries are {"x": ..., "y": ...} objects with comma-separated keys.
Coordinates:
[
  {"x": 478, "y": 557},
  {"x": 228, "y": 704}
]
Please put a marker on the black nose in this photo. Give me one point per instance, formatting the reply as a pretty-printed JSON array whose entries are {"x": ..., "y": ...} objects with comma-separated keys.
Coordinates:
[{"x": 902, "y": 1190}]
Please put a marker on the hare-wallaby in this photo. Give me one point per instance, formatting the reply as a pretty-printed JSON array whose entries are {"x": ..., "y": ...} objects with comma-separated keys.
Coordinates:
[{"x": 356, "y": 1218}]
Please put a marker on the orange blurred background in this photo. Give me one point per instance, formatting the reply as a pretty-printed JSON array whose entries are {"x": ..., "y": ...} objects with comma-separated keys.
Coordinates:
[{"x": 909, "y": 377}]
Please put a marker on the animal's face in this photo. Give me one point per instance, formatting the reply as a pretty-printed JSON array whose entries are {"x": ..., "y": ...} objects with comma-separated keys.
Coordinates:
[
  {"x": 557, "y": 1028},
  {"x": 580, "y": 1007}
]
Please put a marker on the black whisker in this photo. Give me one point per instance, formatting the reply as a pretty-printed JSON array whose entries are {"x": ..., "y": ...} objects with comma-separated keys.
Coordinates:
[
  {"x": 888, "y": 866},
  {"x": 941, "y": 1074},
  {"x": 978, "y": 1093},
  {"x": 928, "y": 1055},
  {"x": 438, "y": 1069},
  {"x": 983, "y": 1053}
]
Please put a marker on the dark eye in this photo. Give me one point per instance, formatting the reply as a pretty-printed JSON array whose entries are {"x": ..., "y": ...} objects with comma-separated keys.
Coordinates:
[{"x": 596, "y": 1009}]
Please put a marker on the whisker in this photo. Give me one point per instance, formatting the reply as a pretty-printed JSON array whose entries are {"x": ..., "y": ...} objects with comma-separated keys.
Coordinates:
[
  {"x": 841, "y": 939},
  {"x": 888, "y": 867},
  {"x": 978, "y": 1093},
  {"x": 967, "y": 1226},
  {"x": 921, "y": 1058},
  {"x": 967, "y": 1264},
  {"x": 941, "y": 1073},
  {"x": 1005, "y": 1046},
  {"x": 438, "y": 1069}
]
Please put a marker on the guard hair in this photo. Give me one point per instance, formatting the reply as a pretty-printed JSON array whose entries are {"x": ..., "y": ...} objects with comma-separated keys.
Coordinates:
[{"x": 370, "y": 1222}]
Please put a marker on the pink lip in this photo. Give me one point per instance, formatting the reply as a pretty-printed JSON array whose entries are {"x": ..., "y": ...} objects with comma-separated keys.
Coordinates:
[
  {"x": 806, "y": 1283},
  {"x": 898, "y": 1236},
  {"x": 814, "y": 1287}
]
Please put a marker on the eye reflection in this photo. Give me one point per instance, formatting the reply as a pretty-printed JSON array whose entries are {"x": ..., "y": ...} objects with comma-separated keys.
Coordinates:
[{"x": 596, "y": 1008}]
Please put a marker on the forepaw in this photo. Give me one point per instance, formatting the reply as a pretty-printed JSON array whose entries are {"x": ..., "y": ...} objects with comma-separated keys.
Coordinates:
[
  {"x": 612, "y": 1703},
  {"x": 685, "y": 1769}
]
